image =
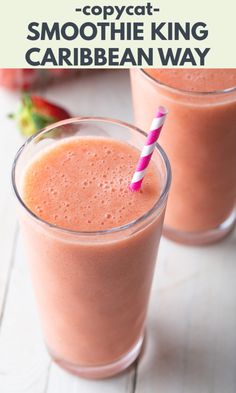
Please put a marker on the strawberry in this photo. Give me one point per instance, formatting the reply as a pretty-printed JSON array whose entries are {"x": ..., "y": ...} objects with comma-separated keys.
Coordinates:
[
  {"x": 19, "y": 78},
  {"x": 36, "y": 113}
]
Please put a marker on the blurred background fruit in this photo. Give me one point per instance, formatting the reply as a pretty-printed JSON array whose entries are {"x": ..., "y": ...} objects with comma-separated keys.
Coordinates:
[
  {"x": 35, "y": 113},
  {"x": 26, "y": 79}
]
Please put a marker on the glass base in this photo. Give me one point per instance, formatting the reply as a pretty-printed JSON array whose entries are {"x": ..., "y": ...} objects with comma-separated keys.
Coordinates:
[
  {"x": 205, "y": 237},
  {"x": 105, "y": 371}
]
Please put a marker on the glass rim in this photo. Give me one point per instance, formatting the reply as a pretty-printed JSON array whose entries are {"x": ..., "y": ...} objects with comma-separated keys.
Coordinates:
[
  {"x": 80, "y": 119},
  {"x": 188, "y": 92}
]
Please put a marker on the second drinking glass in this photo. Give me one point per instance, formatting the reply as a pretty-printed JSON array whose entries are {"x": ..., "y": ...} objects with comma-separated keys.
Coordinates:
[{"x": 200, "y": 140}]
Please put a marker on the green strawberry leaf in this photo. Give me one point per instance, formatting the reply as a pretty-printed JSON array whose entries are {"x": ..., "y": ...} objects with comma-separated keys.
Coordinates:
[
  {"x": 26, "y": 101},
  {"x": 41, "y": 121}
]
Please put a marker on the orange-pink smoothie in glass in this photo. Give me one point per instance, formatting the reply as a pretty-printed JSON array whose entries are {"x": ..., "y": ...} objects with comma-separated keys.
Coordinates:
[
  {"x": 200, "y": 140},
  {"x": 92, "y": 288}
]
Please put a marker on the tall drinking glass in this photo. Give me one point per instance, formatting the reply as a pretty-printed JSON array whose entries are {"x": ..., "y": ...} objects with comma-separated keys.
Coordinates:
[
  {"x": 200, "y": 140},
  {"x": 92, "y": 287}
]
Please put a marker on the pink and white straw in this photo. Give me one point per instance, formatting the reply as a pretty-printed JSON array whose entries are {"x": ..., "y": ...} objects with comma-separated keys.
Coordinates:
[{"x": 148, "y": 149}]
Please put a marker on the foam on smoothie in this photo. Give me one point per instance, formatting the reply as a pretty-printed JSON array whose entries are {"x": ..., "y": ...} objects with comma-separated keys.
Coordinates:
[
  {"x": 198, "y": 80},
  {"x": 82, "y": 184}
]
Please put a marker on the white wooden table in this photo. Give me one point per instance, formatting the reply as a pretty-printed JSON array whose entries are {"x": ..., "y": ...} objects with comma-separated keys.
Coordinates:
[{"x": 191, "y": 329}]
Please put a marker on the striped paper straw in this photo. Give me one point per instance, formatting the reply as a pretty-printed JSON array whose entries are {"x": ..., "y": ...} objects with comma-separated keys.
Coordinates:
[{"x": 148, "y": 149}]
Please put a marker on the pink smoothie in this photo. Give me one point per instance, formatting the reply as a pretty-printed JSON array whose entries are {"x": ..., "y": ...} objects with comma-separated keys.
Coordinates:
[
  {"x": 92, "y": 291},
  {"x": 199, "y": 138},
  {"x": 196, "y": 80},
  {"x": 82, "y": 184}
]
